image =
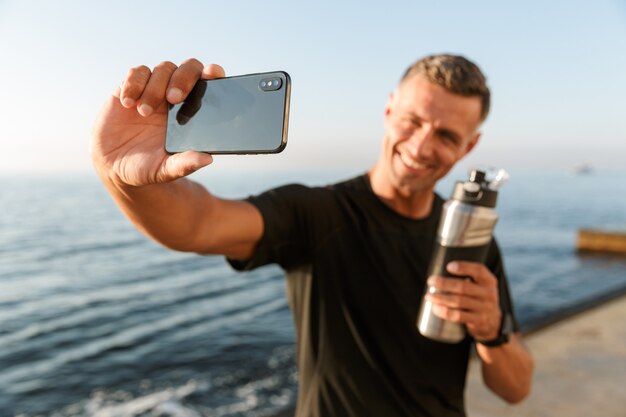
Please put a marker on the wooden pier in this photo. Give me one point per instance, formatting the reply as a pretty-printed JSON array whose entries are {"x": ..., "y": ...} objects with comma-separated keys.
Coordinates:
[{"x": 592, "y": 240}]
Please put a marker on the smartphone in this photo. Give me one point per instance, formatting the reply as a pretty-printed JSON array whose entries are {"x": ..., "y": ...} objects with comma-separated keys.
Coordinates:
[{"x": 246, "y": 114}]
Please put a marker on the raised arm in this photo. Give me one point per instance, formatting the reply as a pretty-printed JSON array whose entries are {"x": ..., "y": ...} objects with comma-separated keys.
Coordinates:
[{"x": 149, "y": 185}]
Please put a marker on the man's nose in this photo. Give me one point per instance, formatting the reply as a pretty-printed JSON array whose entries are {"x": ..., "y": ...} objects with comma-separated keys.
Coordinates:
[{"x": 422, "y": 142}]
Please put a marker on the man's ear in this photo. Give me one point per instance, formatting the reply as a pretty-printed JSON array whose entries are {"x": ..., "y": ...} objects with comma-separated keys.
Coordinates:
[
  {"x": 388, "y": 106},
  {"x": 473, "y": 142},
  {"x": 390, "y": 103}
]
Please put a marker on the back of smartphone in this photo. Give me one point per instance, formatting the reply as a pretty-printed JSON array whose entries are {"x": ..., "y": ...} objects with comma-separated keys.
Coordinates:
[{"x": 246, "y": 114}]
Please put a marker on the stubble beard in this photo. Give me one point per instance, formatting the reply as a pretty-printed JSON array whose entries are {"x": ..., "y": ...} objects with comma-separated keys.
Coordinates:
[{"x": 407, "y": 186}]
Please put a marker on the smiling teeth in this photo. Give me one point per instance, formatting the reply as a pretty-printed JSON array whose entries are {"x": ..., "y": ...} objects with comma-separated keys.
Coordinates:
[{"x": 411, "y": 163}]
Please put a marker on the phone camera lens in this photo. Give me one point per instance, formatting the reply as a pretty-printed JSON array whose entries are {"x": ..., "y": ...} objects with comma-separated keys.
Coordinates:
[{"x": 270, "y": 84}]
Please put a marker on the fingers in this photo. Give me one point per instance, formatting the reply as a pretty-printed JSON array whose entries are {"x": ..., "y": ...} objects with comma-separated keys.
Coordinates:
[
  {"x": 213, "y": 71},
  {"x": 148, "y": 89},
  {"x": 457, "y": 301},
  {"x": 154, "y": 93},
  {"x": 183, "y": 164},
  {"x": 183, "y": 80},
  {"x": 480, "y": 314},
  {"x": 481, "y": 326},
  {"x": 192, "y": 103},
  {"x": 473, "y": 302},
  {"x": 477, "y": 271},
  {"x": 481, "y": 283},
  {"x": 455, "y": 315},
  {"x": 133, "y": 86},
  {"x": 463, "y": 287},
  {"x": 459, "y": 294}
]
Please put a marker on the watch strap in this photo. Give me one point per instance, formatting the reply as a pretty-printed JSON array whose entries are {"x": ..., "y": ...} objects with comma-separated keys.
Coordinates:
[{"x": 506, "y": 327}]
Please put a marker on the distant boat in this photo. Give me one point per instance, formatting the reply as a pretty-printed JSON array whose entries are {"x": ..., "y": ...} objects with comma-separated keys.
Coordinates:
[{"x": 583, "y": 169}]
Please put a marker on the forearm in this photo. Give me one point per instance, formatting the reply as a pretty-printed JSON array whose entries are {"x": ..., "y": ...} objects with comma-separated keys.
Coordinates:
[
  {"x": 507, "y": 369},
  {"x": 170, "y": 213}
]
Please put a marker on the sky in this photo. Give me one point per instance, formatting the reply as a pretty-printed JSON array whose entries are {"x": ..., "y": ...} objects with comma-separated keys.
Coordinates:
[{"x": 557, "y": 71}]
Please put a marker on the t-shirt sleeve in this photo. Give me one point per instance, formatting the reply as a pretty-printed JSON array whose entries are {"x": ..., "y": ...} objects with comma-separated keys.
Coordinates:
[
  {"x": 496, "y": 266},
  {"x": 288, "y": 237}
]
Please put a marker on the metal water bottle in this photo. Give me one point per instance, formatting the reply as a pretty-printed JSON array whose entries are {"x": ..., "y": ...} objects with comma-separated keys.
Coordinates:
[{"x": 465, "y": 230}]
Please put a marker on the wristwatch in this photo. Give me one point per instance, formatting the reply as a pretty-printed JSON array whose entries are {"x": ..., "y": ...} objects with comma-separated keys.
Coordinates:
[{"x": 506, "y": 328}]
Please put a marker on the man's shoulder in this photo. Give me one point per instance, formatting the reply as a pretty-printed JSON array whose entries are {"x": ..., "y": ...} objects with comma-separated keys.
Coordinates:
[{"x": 356, "y": 184}]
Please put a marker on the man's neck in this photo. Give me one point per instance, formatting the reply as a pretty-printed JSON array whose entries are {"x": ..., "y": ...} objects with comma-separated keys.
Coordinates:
[{"x": 409, "y": 203}]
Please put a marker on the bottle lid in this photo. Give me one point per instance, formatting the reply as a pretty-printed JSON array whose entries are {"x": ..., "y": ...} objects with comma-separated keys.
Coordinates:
[{"x": 475, "y": 191}]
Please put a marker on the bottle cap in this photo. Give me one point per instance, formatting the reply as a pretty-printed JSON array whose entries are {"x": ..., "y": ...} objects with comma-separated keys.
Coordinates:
[{"x": 475, "y": 191}]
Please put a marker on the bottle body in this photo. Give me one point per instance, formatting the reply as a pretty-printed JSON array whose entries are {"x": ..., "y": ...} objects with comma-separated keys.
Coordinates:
[{"x": 464, "y": 234}]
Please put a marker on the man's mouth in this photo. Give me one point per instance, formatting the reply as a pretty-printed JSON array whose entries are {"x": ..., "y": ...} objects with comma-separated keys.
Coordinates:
[{"x": 411, "y": 163}]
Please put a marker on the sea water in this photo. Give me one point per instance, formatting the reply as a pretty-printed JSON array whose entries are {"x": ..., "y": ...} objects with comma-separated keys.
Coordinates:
[{"x": 97, "y": 320}]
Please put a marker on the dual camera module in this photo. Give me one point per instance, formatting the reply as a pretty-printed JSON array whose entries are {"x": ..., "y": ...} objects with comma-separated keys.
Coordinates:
[{"x": 270, "y": 84}]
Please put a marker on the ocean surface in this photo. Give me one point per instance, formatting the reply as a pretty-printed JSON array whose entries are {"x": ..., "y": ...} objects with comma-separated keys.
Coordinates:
[{"x": 97, "y": 320}]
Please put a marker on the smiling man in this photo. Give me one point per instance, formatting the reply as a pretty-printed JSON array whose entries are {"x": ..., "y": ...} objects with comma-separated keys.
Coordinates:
[
  {"x": 355, "y": 253},
  {"x": 429, "y": 127}
]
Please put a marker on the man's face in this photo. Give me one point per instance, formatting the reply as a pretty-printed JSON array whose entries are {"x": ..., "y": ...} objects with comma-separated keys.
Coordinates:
[{"x": 428, "y": 129}]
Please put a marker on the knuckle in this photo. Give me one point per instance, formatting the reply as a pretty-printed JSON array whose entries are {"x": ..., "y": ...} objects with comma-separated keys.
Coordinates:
[
  {"x": 135, "y": 81},
  {"x": 166, "y": 65},
  {"x": 189, "y": 71},
  {"x": 192, "y": 62},
  {"x": 139, "y": 71},
  {"x": 191, "y": 67}
]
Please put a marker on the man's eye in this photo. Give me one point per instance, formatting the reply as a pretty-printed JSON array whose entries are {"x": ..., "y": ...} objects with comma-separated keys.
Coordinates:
[
  {"x": 407, "y": 124},
  {"x": 409, "y": 121},
  {"x": 449, "y": 137}
]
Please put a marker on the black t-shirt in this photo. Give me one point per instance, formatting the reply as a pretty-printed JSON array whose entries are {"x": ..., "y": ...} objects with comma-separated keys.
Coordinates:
[{"x": 356, "y": 274}]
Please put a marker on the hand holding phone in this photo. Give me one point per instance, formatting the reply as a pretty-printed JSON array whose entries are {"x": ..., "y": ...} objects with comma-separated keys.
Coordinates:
[
  {"x": 128, "y": 136},
  {"x": 245, "y": 114}
]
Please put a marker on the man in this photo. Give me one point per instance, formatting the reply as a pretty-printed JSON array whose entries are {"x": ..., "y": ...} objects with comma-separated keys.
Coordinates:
[{"x": 355, "y": 253}]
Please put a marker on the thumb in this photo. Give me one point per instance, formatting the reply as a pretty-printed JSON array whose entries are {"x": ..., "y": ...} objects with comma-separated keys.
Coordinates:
[{"x": 183, "y": 164}]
